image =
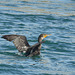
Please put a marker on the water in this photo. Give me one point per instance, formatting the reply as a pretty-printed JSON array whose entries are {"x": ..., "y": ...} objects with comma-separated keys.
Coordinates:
[{"x": 31, "y": 18}]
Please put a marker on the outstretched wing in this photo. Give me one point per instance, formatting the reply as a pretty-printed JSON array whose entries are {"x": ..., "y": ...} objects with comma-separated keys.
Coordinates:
[
  {"x": 19, "y": 41},
  {"x": 34, "y": 50}
]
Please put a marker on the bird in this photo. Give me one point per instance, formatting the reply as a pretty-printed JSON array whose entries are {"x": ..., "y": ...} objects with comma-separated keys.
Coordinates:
[{"x": 23, "y": 46}]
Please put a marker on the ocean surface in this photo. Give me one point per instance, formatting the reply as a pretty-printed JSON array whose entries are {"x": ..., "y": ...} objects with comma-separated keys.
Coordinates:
[{"x": 32, "y": 18}]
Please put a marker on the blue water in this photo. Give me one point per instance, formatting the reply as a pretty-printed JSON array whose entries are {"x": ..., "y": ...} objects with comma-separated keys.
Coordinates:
[{"x": 31, "y": 18}]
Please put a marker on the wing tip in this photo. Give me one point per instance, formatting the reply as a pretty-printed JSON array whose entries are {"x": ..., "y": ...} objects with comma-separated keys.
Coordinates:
[{"x": 5, "y": 37}]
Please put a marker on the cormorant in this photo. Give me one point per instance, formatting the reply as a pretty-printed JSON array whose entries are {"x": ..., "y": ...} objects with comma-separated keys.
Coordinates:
[{"x": 22, "y": 44}]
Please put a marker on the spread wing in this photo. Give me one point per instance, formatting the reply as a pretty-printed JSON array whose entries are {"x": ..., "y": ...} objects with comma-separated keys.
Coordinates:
[
  {"x": 34, "y": 49},
  {"x": 19, "y": 41}
]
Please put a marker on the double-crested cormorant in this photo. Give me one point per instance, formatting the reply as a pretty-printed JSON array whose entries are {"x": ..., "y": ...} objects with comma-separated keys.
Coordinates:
[{"x": 22, "y": 44}]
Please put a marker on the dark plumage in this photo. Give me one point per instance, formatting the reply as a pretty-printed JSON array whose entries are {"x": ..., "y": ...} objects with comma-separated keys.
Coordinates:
[{"x": 22, "y": 44}]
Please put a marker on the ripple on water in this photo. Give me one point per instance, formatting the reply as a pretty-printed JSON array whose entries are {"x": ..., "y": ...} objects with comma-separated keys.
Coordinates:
[{"x": 30, "y": 18}]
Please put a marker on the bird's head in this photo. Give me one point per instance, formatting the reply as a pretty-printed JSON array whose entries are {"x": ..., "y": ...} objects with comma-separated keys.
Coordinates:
[{"x": 42, "y": 36}]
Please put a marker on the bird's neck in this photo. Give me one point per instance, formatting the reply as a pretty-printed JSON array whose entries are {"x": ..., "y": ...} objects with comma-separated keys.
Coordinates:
[{"x": 39, "y": 40}]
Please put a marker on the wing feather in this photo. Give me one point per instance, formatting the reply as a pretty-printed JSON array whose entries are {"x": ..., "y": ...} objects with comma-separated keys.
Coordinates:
[{"x": 19, "y": 41}]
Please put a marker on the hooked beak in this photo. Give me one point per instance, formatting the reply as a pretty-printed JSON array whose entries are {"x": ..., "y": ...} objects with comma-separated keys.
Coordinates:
[{"x": 46, "y": 35}]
